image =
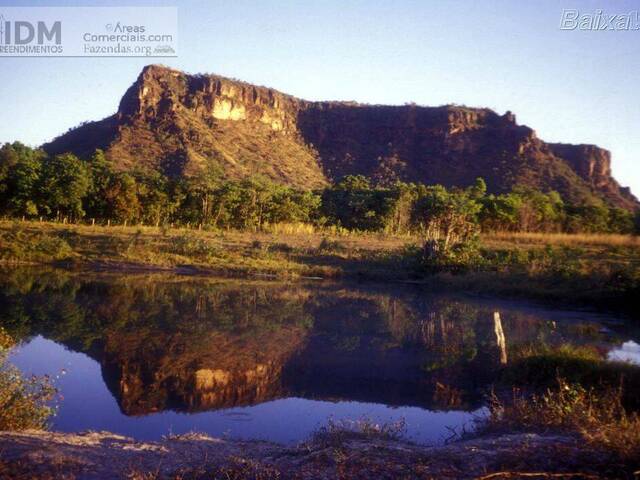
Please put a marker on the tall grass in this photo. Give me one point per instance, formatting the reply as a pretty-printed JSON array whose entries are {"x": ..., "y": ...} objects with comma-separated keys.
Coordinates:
[
  {"x": 599, "y": 418},
  {"x": 290, "y": 228},
  {"x": 569, "y": 239}
]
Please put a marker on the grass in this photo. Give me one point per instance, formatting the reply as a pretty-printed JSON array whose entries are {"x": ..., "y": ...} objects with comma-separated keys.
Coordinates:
[
  {"x": 599, "y": 419},
  {"x": 567, "y": 239},
  {"x": 536, "y": 367},
  {"x": 571, "y": 390},
  {"x": 336, "y": 432},
  {"x": 600, "y": 270},
  {"x": 285, "y": 254}
]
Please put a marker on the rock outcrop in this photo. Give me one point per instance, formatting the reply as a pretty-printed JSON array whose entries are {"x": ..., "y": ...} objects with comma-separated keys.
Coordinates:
[{"x": 193, "y": 124}]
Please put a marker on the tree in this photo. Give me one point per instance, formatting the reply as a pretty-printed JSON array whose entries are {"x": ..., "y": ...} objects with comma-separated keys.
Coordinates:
[
  {"x": 65, "y": 182},
  {"x": 539, "y": 211},
  {"x": 587, "y": 218},
  {"x": 121, "y": 198},
  {"x": 102, "y": 172},
  {"x": 20, "y": 171},
  {"x": 153, "y": 193},
  {"x": 621, "y": 221},
  {"x": 479, "y": 189},
  {"x": 500, "y": 212},
  {"x": 447, "y": 217},
  {"x": 354, "y": 204}
]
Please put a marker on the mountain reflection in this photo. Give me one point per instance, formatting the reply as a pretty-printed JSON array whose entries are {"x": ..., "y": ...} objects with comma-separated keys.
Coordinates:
[{"x": 191, "y": 344}]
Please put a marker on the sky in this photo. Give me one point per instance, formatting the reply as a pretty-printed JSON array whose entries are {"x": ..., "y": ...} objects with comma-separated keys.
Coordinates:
[{"x": 569, "y": 86}]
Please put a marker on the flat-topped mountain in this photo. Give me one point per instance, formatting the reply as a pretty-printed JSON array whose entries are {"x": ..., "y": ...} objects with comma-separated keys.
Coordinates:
[{"x": 195, "y": 125}]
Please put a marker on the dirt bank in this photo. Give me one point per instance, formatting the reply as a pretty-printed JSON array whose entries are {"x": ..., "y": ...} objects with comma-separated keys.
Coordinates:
[{"x": 36, "y": 454}]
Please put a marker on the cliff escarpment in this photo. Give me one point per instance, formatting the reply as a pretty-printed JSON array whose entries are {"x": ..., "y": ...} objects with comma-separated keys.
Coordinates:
[{"x": 194, "y": 125}]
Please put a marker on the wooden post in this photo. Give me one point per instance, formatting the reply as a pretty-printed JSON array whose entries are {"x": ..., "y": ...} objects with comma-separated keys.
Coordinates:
[
  {"x": 93, "y": 222},
  {"x": 125, "y": 223},
  {"x": 501, "y": 341},
  {"x": 109, "y": 223}
]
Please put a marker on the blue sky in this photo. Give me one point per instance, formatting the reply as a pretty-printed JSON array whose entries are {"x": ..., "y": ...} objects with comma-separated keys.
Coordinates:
[{"x": 570, "y": 86}]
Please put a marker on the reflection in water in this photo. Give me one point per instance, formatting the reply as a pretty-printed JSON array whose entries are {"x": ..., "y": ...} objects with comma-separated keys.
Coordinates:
[
  {"x": 183, "y": 344},
  {"x": 500, "y": 339},
  {"x": 628, "y": 352}
]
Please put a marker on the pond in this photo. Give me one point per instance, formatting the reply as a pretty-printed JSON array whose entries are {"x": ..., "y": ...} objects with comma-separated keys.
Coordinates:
[{"x": 147, "y": 355}]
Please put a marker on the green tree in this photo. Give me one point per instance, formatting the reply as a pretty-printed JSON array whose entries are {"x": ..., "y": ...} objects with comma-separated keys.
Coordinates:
[
  {"x": 587, "y": 218},
  {"x": 500, "y": 212},
  {"x": 539, "y": 211},
  {"x": 20, "y": 172},
  {"x": 121, "y": 198},
  {"x": 101, "y": 172},
  {"x": 621, "y": 221},
  {"x": 353, "y": 203},
  {"x": 158, "y": 200},
  {"x": 65, "y": 182},
  {"x": 447, "y": 217}
]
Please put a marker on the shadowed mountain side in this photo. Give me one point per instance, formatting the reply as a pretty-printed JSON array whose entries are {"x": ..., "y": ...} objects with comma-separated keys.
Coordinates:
[{"x": 192, "y": 125}]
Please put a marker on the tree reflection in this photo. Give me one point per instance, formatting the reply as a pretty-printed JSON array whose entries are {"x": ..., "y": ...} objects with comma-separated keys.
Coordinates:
[{"x": 188, "y": 343}]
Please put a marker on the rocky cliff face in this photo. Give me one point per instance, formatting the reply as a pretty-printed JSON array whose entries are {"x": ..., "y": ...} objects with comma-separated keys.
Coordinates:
[{"x": 189, "y": 124}]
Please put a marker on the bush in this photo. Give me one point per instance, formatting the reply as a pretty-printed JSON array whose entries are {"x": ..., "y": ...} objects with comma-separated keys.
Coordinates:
[
  {"x": 192, "y": 247},
  {"x": 330, "y": 246},
  {"x": 19, "y": 245},
  {"x": 23, "y": 401}
]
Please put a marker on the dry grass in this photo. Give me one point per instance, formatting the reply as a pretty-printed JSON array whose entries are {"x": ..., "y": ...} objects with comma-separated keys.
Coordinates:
[
  {"x": 582, "y": 272},
  {"x": 565, "y": 239},
  {"x": 293, "y": 251},
  {"x": 599, "y": 418}
]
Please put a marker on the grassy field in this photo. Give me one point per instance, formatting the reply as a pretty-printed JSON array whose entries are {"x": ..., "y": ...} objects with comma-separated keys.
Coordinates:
[{"x": 599, "y": 270}]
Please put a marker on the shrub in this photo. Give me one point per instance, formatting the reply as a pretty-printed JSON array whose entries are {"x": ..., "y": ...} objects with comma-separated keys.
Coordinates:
[
  {"x": 337, "y": 432},
  {"x": 23, "y": 401},
  {"x": 330, "y": 246}
]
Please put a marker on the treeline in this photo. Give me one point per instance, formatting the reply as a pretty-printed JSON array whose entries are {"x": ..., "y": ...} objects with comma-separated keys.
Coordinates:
[{"x": 33, "y": 185}]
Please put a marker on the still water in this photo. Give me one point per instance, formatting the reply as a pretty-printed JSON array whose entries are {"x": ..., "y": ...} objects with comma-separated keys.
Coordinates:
[{"x": 151, "y": 355}]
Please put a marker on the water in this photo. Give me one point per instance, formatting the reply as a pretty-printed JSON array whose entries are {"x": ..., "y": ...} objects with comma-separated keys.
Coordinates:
[{"x": 151, "y": 355}]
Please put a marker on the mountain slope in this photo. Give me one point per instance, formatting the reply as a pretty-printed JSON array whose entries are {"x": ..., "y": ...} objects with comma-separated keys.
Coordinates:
[{"x": 190, "y": 124}]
